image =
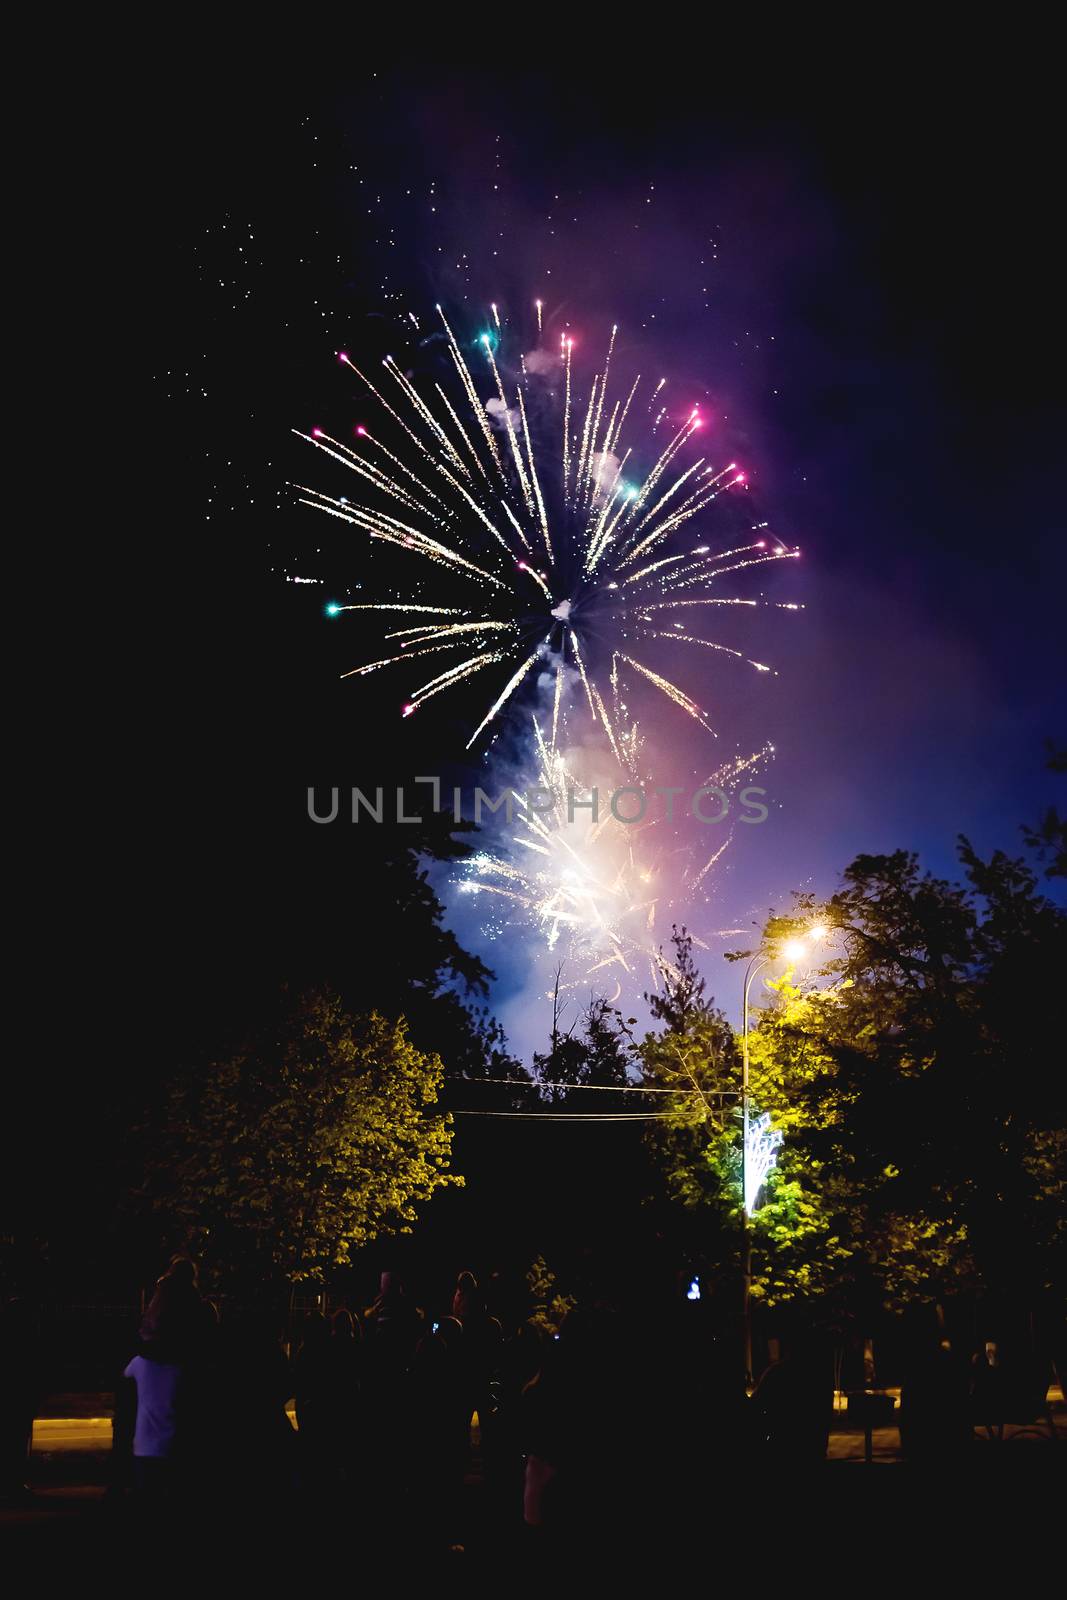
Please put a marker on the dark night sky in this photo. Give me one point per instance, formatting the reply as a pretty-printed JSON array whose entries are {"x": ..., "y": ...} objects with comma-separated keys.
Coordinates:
[{"x": 863, "y": 282}]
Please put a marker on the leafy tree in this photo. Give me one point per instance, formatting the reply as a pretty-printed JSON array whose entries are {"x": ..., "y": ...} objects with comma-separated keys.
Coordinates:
[
  {"x": 832, "y": 1221},
  {"x": 305, "y": 1145},
  {"x": 924, "y": 1130},
  {"x": 696, "y": 1139},
  {"x": 925, "y": 1141},
  {"x": 590, "y": 1052},
  {"x": 607, "y": 1046}
]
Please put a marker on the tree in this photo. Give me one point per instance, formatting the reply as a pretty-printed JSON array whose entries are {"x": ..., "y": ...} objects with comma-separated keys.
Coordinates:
[
  {"x": 607, "y": 1045},
  {"x": 696, "y": 1139},
  {"x": 924, "y": 1143},
  {"x": 832, "y": 1222},
  {"x": 567, "y": 1057},
  {"x": 924, "y": 1129},
  {"x": 285, "y": 1157},
  {"x": 592, "y": 1052},
  {"x": 1049, "y": 839}
]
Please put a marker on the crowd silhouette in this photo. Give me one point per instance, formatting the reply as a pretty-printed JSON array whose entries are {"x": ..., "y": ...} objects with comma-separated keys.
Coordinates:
[
  {"x": 627, "y": 1420},
  {"x": 395, "y": 1410}
]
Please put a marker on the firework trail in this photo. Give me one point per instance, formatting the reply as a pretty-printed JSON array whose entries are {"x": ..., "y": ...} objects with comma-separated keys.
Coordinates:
[{"x": 540, "y": 524}]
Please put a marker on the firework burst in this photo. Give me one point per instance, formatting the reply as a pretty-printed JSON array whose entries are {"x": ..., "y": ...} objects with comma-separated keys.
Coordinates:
[
  {"x": 601, "y": 889},
  {"x": 567, "y": 546}
]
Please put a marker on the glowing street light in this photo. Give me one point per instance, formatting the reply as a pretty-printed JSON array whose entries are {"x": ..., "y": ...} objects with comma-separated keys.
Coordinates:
[{"x": 794, "y": 950}]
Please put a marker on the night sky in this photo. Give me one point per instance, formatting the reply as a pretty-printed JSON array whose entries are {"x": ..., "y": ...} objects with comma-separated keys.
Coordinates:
[{"x": 861, "y": 286}]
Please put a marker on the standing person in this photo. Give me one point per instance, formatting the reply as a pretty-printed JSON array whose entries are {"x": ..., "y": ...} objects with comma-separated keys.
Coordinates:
[
  {"x": 169, "y": 1376},
  {"x": 393, "y": 1320},
  {"x": 482, "y": 1338},
  {"x": 585, "y": 1444},
  {"x": 155, "y": 1429},
  {"x": 440, "y": 1431},
  {"x": 177, "y": 1314},
  {"x": 935, "y": 1404},
  {"x": 467, "y": 1301},
  {"x": 793, "y": 1403},
  {"x": 393, "y": 1326},
  {"x": 503, "y": 1462},
  {"x": 260, "y": 1458}
]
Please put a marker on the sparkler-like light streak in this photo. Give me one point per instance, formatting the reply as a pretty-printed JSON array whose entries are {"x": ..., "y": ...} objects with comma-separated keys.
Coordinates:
[
  {"x": 475, "y": 486},
  {"x": 671, "y": 690},
  {"x": 502, "y": 699},
  {"x": 706, "y": 868},
  {"x": 761, "y": 1151}
]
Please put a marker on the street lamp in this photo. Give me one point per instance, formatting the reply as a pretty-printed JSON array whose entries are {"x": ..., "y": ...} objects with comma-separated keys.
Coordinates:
[{"x": 760, "y": 1141}]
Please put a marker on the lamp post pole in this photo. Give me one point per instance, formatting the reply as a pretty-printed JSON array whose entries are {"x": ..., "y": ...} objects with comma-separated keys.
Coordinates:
[{"x": 754, "y": 966}]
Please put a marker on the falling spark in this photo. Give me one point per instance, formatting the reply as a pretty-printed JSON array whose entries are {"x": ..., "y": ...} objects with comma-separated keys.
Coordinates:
[
  {"x": 706, "y": 868},
  {"x": 503, "y": 698}
]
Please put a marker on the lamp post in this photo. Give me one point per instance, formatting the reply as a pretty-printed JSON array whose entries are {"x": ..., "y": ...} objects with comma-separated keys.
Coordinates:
[
  {"x": 793, "y": 950},
  {"x": 754, "y": 966}
]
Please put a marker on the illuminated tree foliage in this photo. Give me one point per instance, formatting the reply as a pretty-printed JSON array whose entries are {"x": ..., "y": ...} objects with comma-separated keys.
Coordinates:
[
  {"x": 549, "y": 1305},
  {"x": 833, "y": 1220},
  {"x": 698, "y": 1142},
  {"x": 308, "y": 1144},
  {"x": 922, "y": 1112},
  {"x": 924, "y": 1127}
]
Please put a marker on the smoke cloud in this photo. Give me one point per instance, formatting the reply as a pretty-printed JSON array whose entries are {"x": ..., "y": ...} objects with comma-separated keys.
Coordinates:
[{"x": 542, "y": 363}]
